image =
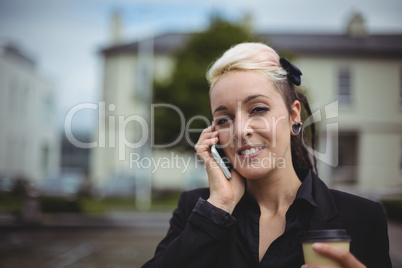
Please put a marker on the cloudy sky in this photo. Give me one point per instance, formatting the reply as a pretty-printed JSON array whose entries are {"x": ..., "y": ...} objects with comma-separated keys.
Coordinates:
[{"x": 65, "y": 36}]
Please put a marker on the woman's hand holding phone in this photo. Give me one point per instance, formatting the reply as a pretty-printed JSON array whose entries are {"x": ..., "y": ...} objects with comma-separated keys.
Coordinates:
[{"x": 224, "y": 193}]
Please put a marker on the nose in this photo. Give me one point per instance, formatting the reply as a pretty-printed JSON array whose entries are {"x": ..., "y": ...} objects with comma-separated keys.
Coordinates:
[{"x": 242, "y": 130}]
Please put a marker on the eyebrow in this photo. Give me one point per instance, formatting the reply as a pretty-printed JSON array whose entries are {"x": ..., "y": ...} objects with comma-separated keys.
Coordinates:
[
  {"x": 220, "y": 108},
  {"x": 246, "y": 100},
  {"x": 252, "y": 97}
]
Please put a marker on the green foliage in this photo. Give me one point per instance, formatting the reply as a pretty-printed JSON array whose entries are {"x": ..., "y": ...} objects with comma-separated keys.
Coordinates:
[
  {"x": 189, "y": 89},
  {"x": 99, "y": 206},
  {"x": 10, "y": 203},
  {"x": 91, "y": 205},
  {"x": 59, "y": 205}
]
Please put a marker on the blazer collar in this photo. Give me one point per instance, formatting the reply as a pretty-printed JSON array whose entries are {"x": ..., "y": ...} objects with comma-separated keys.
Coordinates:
[
  {"x": 326, "y": 209},
  {"x": 324, "y": 205}
]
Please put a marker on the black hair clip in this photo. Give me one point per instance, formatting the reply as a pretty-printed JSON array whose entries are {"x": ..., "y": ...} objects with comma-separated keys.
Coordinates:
[{"x": 293, "y": 72}]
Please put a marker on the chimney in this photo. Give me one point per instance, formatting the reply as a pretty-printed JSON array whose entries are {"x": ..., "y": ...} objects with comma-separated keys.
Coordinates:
[
  {"x": 116, "y": 28},
  {"x": 356, "y": 27}
]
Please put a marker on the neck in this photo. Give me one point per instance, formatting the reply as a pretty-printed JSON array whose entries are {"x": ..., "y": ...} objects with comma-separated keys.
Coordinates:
[{"x": 275, "y": 192}]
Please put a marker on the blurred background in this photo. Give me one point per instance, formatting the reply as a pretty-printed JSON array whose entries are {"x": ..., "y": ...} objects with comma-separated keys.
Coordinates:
[{"x": 101, "y": 103}]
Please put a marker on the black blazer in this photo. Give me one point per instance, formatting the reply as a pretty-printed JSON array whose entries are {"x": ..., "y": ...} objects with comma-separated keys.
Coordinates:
[{"x": 193, "y": 241}]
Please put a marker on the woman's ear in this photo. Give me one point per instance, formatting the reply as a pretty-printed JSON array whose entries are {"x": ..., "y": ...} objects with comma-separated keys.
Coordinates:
[{"x": 295, "y": 112}]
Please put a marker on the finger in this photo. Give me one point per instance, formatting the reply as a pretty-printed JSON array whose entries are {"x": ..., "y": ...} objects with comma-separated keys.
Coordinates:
[
  {"x": 204, "y": 152},
  {"x": 207, "y": 130},
  {"x": 206, "y": 142},
  {"x": 206, "y": 135},
  {"x": 203, "y": 148},
  {"x": 341, "y": 255}
]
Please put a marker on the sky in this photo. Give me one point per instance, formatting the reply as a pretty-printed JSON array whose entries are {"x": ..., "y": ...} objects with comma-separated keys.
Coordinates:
[{"x": 64, "y": 37}]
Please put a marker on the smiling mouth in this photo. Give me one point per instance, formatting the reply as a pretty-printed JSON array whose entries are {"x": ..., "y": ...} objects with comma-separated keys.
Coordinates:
[{"x": 252, "y": 150}]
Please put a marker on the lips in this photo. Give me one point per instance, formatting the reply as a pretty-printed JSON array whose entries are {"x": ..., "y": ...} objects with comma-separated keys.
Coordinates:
[{"x": 249, "y": 150}]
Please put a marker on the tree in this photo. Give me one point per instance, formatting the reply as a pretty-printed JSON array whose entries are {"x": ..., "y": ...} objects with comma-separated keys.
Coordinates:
[{"x": 188, "y": 89}]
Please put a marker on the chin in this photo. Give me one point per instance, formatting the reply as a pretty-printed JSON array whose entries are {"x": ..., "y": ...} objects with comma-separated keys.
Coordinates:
[{"x": 254, "y": 173}]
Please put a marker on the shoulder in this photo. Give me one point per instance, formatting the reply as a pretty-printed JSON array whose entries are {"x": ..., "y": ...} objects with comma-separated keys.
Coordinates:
[
  {"x": 356, "y": 211},
  {"x": 341, "y": 197},
  {"x": 344, "y": 207},
  {"x": 366, "y": 223},
  {"x": 340, "y": 200},
  {"x": 350, "y": 203}
]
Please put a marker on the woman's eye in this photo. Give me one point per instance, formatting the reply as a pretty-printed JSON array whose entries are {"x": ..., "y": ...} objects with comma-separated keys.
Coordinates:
[
  {"x": 223, "y": 120},
  {"x": 260, "y": 109}
]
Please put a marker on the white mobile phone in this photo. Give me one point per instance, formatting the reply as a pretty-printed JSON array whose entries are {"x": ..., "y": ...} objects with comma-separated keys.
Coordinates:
[{"x": 222, "y": 162}]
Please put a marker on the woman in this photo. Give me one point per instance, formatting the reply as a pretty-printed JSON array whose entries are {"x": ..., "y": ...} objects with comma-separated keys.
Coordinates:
[{"x": 257, "y": 218}]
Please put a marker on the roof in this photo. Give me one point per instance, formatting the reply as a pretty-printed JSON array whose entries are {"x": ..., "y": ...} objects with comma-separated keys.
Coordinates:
[
  {"x": 378, "y": 45},
  {"x": 164, "y": 44},
  {"x": 15, "y": 53},
  {"x": 315, "y": 44}
]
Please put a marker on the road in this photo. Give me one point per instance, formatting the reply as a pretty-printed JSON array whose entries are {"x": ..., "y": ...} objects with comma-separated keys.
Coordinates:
[{"x": 116, "y": 241}]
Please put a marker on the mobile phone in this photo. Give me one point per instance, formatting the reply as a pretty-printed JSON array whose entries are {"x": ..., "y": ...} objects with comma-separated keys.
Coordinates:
[{"x": 222, "y": 160}]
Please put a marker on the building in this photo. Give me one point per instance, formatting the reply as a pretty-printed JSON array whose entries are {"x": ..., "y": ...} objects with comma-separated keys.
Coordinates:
[
  {"x": 362, "y": 75},
  {"x": 29, "y": 137},
  {"x": 354, "y": 80},
  {"x": 122, "y": 113}
]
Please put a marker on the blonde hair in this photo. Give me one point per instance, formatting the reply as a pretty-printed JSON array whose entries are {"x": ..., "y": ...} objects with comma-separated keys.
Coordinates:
[{"x": 248, "y": 57}]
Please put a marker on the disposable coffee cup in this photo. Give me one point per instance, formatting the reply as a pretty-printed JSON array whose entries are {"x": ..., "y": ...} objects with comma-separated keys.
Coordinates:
[{"x": 335, "y": 237}]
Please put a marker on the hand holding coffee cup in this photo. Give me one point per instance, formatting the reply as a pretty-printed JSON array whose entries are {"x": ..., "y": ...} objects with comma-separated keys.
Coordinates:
[{"x": 335, "y": 237}]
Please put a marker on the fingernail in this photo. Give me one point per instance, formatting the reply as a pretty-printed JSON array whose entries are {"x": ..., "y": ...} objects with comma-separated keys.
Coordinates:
[{"x": 317, "y": 246}]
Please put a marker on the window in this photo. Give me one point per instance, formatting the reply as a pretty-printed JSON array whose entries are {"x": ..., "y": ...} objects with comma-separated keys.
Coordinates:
[
  {"x": 346, "y": 171},
  {"x": 13, "y": 97},
  {"x": 45, "y": 159},
  {"x": 400, "y": 161},
  {"x": 344, "y": 85},
  {"x": 25, "y": 99},
  {"x": 400, "y": 86},
  {"x": 48, "y": 109}
]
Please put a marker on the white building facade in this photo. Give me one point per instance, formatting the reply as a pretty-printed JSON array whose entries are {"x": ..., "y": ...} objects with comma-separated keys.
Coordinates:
[
  {"x": 125, "y": 115},
  {"x": 29, "y": 137},
  {"x": 369, "y": 120},
  {"x": 354, "y": 80}
]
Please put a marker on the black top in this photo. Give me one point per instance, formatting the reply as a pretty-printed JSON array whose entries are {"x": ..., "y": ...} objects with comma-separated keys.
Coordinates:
[
  {"x": 202, "y": 235},
  {"x": 286, "y": 250}
]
